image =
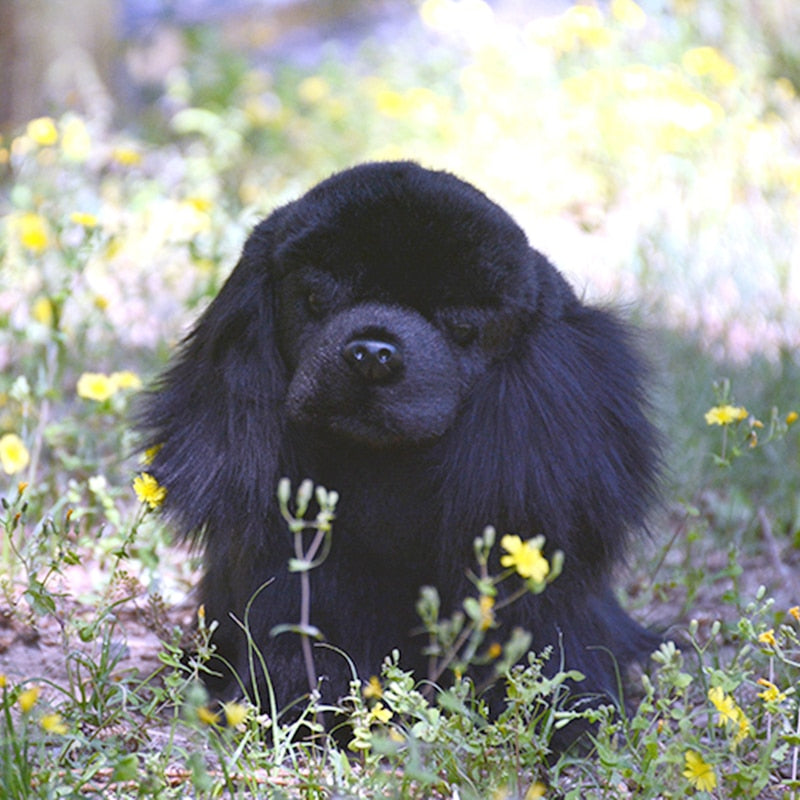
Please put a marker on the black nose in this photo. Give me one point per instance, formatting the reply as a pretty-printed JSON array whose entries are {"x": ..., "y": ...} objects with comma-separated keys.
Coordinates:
[{"x": 375, "y": 361}]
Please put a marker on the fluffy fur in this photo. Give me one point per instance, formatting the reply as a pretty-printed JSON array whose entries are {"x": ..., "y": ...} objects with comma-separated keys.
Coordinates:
[{"x": 392, "y": 335}]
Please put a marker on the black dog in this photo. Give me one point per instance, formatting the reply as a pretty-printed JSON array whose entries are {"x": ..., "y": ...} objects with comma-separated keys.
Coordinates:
[{"x": 393, "y": 336}]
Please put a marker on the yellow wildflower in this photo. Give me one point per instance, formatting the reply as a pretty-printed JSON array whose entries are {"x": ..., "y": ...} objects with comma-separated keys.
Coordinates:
[
  {"x": 725, "y": 704},
  {"x": 729, "y": 713},
  {"x": 373, "y": 688},
  {"x": 53, "y": 723},
  {"x": 628, "y": 13},
  {"x": 235, "y": 713},
  {"x": 14, "y": 455},
  {"x": 27, "y": 699},
  {"x": 3, "y": 681},
  {"x": 771, "y": 693},
  {"x": 699, "y": 773},
  {"x": 313, "y": 89},
  {"x": 525, "y": 557},
  {"x": 794, "y": 611},
  {"x": 583, "y": 25},
  {"x": 743, "y": 728},
  {"x": 96, "y": 386},
  {"x": 126, "y": 380},
  {"x": 76, "y": 144},
  {"x": 378, "y": 713},
  {"x": 536, "y": 791},
  {"x": 791, "y": 417},
  {"x": 201, "y": 204},
  {"x": 148, "y": 490},
  {"x": 83, "y": 218},
  {"x": 486, "y": 605},
  {"x": 495, "y": 650},
  {"x": 725, "y": 415},
  {"x": 42, "y": 311},
  {"x": 207, "y": 716},
  {"x": 32, "y": 231},
  {"x": 126, "y": 156},
  {"x": 42, "y": 131},
  {"x": 768, "y": 638},
  {"x": 709, "y": 63},
  {"x": 150, "y": 454}
]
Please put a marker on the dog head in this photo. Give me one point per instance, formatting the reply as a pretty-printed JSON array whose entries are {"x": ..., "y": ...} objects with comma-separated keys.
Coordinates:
[{"x": 395, "y": 288}]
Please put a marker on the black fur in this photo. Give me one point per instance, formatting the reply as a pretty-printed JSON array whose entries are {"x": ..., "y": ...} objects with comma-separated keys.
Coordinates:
[{"x": 501, "y": 399}]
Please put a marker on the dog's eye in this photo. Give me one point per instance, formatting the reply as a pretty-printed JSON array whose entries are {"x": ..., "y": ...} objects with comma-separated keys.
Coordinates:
[
  {"x": 314, "y": 304},
  {"x": 463, "y": 333}
]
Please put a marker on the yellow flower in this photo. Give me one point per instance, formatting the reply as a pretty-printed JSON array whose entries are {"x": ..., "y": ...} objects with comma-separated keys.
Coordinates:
[
  {"x": 373, "y": 688},
  {"x": 27, "y": 699},
  {"x": 14, "y": 455},
  {"x": 42, "y": 131},
  {"x": 96, "y": 386},
  {"x": 76, "y": 143},
  {"x": 33, "y": 232},
  {"x": 53, "y": 723},
  {"x": 743, "y": 727},
  {"x": 628, "y": 13},
  {"x": 729, "y": 713},
  {"x": 126, "y": 380},
  {"x": 698, "y": 772},
  {"x": 495, "y": 650},
  {"x": 795, "y": 612},
  {"x": 42, "y": 311},
  {"x": 710, "y": 63},
  {"x": 313, "y": 89},
  {"x": 771, "y": 693},
  {"x": 768, "y": 638},
  {"x": 126, "y": 156},
  {"x": 235, "y": 713},
  {"x": 536, "y": 791},
  {"x": 725, "y": 415},
  {"x": 791, "y": 417},
  {"x": 379, "y": 714},
  {"x": 583, "y": 25},
  {"x": 3, "y": 681},
  {"x": 83, "y": 218},
  {"x": 148, "y": 490},
  {"x": 525, "y": 557},
  {"x": 724, "y": 703},
  {"x": 207, "y": 716},
  {"x": 150, "y": 454},
  {"x": 486, "y": 604}
]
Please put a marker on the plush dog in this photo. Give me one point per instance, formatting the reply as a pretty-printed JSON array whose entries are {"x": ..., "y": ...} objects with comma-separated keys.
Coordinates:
[{"x": 393, "y": 336}]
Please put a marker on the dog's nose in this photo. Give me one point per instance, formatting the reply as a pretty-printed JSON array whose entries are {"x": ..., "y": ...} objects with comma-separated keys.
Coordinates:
[{"x": 374, "y": 360}]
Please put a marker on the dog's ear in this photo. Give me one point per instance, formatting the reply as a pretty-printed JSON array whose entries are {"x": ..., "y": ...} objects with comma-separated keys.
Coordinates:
[
  {"x": 214, "y": 420},
  {"x": 557, "y": 440}
]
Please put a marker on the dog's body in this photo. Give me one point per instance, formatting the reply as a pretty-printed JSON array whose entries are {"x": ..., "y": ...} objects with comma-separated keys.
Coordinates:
[{"x": 392, "y": 335}]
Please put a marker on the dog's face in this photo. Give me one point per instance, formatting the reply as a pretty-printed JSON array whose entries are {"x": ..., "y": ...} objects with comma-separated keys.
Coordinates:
[{"x": 396, "y": 288}]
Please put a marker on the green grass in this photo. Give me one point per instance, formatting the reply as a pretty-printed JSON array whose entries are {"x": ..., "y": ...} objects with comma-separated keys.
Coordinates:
[{"x": 655, "y": 159}]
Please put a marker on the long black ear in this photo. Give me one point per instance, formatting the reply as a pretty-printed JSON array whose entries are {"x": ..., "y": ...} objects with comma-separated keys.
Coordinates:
[
  {"x": 216, "y": 415},
  {"x": 557, "y": 440}
]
